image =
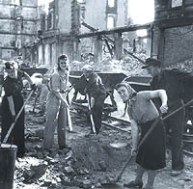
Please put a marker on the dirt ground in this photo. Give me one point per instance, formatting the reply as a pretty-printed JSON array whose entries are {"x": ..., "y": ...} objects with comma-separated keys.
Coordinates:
[{"x": 88, "y": 163}]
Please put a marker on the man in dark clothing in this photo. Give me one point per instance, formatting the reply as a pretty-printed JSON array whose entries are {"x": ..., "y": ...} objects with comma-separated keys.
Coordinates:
[
  {"x": 97, "y": 94},
  {"x": 172, "y": 83}
]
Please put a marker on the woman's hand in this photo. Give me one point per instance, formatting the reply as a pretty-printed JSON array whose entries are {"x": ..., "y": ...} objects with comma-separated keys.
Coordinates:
[
  {"x": 164, "y": 108},
  {"x": 133, "y": 151}
]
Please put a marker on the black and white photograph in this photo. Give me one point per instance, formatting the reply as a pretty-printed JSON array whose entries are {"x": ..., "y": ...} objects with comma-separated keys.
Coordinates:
[{"x": 96, "y": 94}]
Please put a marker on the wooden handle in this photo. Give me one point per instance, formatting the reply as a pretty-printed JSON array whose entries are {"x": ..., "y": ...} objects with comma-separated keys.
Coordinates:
[{"x": 16, "y": 118}]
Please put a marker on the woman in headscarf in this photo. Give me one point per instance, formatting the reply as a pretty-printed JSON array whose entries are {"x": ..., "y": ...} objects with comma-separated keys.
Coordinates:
[
  {"x": 56, "y": 107},
  {"x": 11, "y": 105},
  {"x": 143, "y": 114}
]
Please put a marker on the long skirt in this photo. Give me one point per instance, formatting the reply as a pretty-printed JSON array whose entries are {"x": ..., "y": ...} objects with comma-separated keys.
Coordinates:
[
  {"x": 17, "y": 135},
  {"x": 151, "y": 154}
]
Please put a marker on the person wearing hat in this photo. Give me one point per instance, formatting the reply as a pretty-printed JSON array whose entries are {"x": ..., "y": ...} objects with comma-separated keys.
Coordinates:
[
  {"x": 97, "y": 94},
  {"x": 56, "y": 105},
  {"x": 11, "y": 104},
  {"x": 171, "y": 81},
  {"x": 143, "y": 115}
]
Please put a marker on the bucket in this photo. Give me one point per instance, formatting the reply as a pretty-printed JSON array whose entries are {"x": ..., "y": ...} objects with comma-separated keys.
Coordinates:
[{"x": 8, "y": 155}]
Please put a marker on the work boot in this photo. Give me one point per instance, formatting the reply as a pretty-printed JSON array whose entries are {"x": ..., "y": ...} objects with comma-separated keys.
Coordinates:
[{"x": 134, "y": 184}]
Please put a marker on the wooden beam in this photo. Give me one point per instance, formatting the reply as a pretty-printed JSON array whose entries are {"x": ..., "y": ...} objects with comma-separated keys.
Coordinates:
[
  {"x": 175, "y": 22},
  {"x": 108, "y": 39},
  {"x": 116, "y": 30},
  {"x": 164, "y": 24},
  {"x": 14, "y": 33}
]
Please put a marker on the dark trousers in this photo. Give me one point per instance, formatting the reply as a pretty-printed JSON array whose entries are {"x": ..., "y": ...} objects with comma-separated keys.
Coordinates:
[
  {"x": 17, "y": 135},
  {"x": 97, "y": 111},
  {"x": 175, "y": 124}
]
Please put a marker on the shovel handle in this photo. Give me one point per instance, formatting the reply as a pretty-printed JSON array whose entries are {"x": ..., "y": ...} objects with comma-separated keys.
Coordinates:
[
  {"x": 69, "y": 120},
  {"x": 16, "y": 118},
  {"x": 178, "y": 109},
  {"x": 155, "y": 123},
  {"x": 91, "y": 118},
  {"x": 123, "y": 169}
]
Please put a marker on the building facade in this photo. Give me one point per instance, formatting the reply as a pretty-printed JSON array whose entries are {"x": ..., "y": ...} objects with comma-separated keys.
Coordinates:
[
  {"x": 58, "y": 31},
  {"x": 18, "y": 28},
  {"x": 60, "y": 35},
  {"x": 173, "y": 34}
]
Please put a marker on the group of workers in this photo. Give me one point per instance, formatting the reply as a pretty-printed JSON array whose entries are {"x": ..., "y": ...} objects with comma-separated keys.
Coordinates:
[{"x": 145, "y": 109}]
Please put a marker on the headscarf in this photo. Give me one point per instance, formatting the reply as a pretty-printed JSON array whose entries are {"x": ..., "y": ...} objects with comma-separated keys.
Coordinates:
[
  {"x": 128, "y": 87},
  {"x": 131, "y": 102}
]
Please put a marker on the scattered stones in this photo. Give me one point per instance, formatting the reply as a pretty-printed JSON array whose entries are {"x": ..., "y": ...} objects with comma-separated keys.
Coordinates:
[
  {"x": 46, "y": 183},
  {"x": 87, "y": 184},
  {"x": 90, "y": 163},
  {"x": 69, "y": 170}
]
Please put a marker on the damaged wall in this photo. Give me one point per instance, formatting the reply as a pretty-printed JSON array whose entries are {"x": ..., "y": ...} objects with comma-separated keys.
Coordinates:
[
  {"x": 18, "y": 26},
  {"x": 178, "y": 47}
]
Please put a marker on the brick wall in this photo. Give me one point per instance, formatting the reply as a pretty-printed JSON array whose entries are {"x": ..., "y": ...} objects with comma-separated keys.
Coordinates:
[{"x": 178, "y": 47}]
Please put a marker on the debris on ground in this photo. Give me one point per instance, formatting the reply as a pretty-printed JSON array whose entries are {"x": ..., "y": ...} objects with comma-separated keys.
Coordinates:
[{"x": 88, "y": 163}]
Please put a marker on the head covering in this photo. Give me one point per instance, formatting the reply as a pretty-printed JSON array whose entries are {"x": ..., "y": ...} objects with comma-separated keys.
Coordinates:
[
  {"x": 151, "y": 62},
  {"x": 62, "y": 56},
  {"x": 128, "y": 87},
  {"x": 11, "y": 65}
]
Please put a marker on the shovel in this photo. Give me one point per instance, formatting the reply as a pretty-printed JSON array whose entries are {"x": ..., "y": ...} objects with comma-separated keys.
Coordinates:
[
  {"x": 69, "y": 120},
  {"x": 93, "y": 128},
  {"x": 118, "y": 177},
  {"x": 16, "y": 118},
  {"x": 8, "y": 153}
]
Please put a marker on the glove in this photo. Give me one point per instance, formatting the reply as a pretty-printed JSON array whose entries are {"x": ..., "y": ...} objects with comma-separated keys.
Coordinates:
[{"x": 33, "y": 87}]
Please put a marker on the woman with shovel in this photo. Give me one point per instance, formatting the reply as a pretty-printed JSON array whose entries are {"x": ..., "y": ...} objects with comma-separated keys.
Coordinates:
[
  {"x": 11, "y": 104},
  {"x": 143, "y": 114},
  {"x": 56, "y": 107}
]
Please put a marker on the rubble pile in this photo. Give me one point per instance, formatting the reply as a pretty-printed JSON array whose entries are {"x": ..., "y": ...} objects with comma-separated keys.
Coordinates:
[
  {"x": 98, "y": 155},
  {"x": 87, "y": 164}
]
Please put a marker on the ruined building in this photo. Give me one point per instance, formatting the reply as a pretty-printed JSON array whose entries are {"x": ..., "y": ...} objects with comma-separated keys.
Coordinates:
[
  {"x": 18, "y": 28},
  {"x": 173, "y": 33},
  {"x": 60, "y": 30},
  {"x": 56, "y": 33}
]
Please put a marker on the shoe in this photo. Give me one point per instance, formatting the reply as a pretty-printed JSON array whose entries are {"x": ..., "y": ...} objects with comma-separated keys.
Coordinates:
[
  {"x": 175, "y": 173},
  {"x": 134, "y": 184}
]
